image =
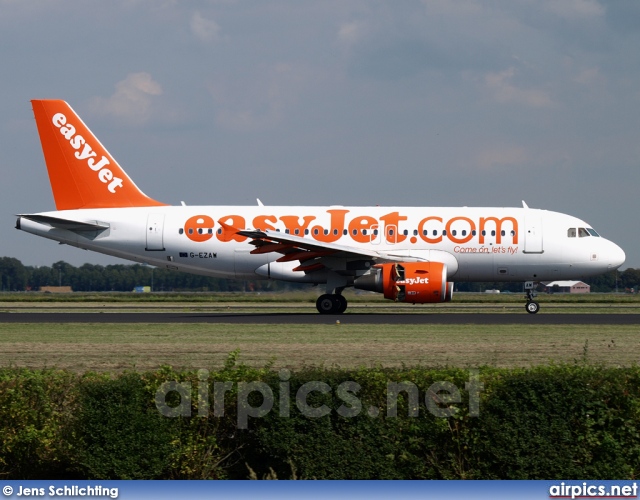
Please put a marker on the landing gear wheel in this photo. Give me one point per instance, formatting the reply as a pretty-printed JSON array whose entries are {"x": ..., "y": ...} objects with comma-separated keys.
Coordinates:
[
  {"x": 342, "y": 303},
  {"x": 532, "y": 307},
  {"x": 331, "y": 304},
  {"x": 327, "y": 304}
]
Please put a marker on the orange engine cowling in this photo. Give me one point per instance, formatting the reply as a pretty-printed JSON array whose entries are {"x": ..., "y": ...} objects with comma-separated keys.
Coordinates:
[{"x": 413, "y": 282}]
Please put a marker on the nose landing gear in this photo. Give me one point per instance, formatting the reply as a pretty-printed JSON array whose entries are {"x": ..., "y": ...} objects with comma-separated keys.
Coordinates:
[{"x": 532, "y": 306}]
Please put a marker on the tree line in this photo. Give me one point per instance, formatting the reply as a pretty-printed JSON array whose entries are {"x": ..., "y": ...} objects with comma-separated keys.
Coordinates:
[
  {"x": 614, "y": 281},
  {"x": 14, "y": 276}
]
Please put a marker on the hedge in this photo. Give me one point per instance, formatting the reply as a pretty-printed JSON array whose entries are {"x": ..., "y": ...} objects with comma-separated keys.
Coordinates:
[{"x": 550, "y": 422}]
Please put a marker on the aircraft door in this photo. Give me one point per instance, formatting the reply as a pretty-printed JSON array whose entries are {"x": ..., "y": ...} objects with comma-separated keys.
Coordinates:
[
  {"x": 155, "y": 228},
  {"x": 533, "y": 233}
]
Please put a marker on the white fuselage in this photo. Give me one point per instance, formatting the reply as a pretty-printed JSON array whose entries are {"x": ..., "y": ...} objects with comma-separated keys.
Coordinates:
[{"x": 477, "y": 244}]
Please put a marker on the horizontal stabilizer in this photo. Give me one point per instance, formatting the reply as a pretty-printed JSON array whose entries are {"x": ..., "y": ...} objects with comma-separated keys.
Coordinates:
[{"x": 69, "y": 225}]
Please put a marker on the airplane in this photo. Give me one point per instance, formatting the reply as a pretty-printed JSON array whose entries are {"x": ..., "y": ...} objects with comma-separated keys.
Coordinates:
[{"x": 409, "y": 254}]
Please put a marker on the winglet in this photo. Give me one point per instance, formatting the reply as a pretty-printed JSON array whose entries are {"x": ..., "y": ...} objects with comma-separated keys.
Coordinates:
[
  {"x": 229, "y": 228},
  {"x": 230, "y": 233},
  {"x": 82, "y": 172}
]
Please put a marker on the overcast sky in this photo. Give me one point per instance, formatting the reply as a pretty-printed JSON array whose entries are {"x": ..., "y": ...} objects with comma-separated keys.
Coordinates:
[{"x": 420, "y": 103}]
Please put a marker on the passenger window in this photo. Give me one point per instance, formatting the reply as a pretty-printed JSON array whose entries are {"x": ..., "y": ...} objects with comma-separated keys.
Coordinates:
[
  {"x": 180, "y": 231},
  {"x": 473, "y": 232},
  {"x": 502, "y": 233},
  {"x": 315, "y": 231},
  {"x": 335, "y": 232},
  {"x": 582, "y": 232},
  {"x": 464, "y": 232},
  {"x": 297, "y": 231},
  {"x": 306, "y": 231},
  {"x": 435, "y": 232},
  {"x": 493, "y": 233},
  {"x": 571, "y": 232},
  {"x": 453, "y": 232},
  {"x": 345, "y": 232},
  {"x": 364, "y": 232},
  {"x": 415, "y": 232}
]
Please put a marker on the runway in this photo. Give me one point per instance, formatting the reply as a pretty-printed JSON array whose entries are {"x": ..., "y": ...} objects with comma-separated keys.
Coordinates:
[{"x": 317, "y": 319}]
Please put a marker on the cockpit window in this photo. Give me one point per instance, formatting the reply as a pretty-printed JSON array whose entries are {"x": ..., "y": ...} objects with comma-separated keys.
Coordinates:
[
  {"x": 582, "y": 232},
  {"x": 571, "y": 232},
  {"x": 592, "y": 232}
]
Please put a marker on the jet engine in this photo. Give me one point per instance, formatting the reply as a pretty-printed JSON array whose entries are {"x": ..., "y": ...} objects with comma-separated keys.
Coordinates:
[{"x": 413, "y": 282}]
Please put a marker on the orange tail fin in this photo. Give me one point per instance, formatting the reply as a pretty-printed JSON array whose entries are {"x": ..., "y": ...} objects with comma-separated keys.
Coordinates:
[{"x": 82, "y": 172}]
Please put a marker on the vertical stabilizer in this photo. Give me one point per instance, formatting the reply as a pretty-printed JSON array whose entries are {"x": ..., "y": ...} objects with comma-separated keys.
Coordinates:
[{"x": 82, "y": 172}]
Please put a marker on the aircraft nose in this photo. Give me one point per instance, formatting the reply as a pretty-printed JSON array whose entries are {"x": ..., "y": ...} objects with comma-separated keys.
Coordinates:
[{"x": 615, "y": 256}]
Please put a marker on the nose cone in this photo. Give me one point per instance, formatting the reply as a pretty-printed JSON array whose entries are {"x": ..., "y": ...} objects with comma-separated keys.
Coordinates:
[{"x": 615, "y": 256}]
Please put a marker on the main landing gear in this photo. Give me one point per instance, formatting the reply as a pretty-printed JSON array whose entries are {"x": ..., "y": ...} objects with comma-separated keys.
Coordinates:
[
  {"x": 331, "y": 303},
  {"x": 532, "y": 306}
]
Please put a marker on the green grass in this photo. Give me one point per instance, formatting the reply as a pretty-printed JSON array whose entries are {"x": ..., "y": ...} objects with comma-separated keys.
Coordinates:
[
  {"x": 158, "y": 297},
  {"x": 114, "y": 347}
]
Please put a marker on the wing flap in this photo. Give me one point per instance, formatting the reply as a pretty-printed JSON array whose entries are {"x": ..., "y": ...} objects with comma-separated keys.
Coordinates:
[{"x": 313, "y": 255}]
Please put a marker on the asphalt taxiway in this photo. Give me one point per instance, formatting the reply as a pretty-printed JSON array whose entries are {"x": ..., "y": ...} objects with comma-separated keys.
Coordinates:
[{"x": 318, "y": 319}]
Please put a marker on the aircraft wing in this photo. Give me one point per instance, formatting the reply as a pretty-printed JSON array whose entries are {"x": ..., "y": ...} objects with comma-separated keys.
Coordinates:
[
  {"x": 345, "y": 260},
  {"x": 306, "y": 243},
  {"x": 313, "y": 255}
]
